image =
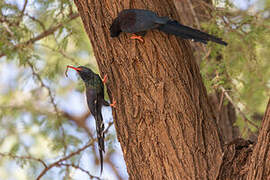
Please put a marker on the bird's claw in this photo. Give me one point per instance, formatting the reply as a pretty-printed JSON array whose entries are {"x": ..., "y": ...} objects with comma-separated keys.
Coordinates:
[
  {"x": 140, "y": 38},
  {"x": 104, "y": 80},
  {"x": 113, "y": 104}
]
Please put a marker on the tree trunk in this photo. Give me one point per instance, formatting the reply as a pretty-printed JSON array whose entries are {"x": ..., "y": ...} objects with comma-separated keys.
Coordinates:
[
  {"x": 260, "y": 160},
  {"x": 163, "y": 120}
]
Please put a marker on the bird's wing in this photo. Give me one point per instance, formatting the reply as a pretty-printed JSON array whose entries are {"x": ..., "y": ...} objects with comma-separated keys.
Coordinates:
[
  {"x": 137, "y": 20},
  {"x": 94, "y": 104},
  {"x": 127, "y": 20},
  {"x": 91, "y": 96}
]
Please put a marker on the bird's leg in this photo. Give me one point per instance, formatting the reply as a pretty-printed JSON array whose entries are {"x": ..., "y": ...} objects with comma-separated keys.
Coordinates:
[
  {"x": 140, "y": 38},
  {"x": 105, "y": 103},
  {"x": 113, "y": 104},
  {"x": 104, "y": 80}
]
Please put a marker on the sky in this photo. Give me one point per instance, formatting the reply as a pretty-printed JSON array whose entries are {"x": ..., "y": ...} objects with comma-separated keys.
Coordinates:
[{"x": 243, "y": 4}]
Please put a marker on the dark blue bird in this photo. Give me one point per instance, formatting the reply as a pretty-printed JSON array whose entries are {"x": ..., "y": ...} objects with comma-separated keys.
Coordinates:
[
  {"x": 95, "y": 100},
  {"x": 139, "y": 21}
]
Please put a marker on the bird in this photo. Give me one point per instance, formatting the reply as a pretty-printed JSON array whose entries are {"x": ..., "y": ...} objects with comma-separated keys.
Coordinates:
[
  {"x": 139, "y": 21},
  {"x": 95, "y": 100}
]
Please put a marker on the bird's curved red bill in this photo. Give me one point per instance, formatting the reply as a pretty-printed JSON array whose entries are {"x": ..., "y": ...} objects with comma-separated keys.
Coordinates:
[{"x": 72, "y": 67}]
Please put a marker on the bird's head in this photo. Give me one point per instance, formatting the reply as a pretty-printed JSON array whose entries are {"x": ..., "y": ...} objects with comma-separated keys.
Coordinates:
[
  {"x": 85, "y": 73},
  {"x": 115, "y": 29}
]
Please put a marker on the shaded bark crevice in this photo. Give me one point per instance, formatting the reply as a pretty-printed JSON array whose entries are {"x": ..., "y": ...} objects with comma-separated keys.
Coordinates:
[
  {"x": 244, "y": 159},
  {"x": 236, "y": 159},
  {"x": 225, "y": 117}
]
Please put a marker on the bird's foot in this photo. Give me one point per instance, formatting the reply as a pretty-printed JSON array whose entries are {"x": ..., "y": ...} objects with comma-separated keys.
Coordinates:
[
  {"x": 140, "y": 38},
  {"x": 104, "y": 80},
  {"x": 113, "y": 104}
]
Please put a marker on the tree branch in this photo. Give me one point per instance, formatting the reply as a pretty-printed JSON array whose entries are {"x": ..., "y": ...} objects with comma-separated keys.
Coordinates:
[
  {"x": 23, "y": 158},
  {"x": 60, "y": 51},
  {"x": 56, "y": 163},
  {"x": 52, "y": 102},
  {"x": 238, "y": 109},
  {"x": 44, "y": 33},
  {"x": 24, "y": 7},
  {"x": 36, "y": 20},
  {"x": 80, "y": 168},
  {"x": 44, "y": 86}
]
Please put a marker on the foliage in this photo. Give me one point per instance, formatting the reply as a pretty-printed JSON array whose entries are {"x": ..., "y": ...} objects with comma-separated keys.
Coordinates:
[{"x": 242, "y": 66}]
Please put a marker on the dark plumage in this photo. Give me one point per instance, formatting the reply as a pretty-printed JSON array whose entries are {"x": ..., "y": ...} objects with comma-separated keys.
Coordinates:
[
  {"x": 139, "y": 21},
  {"x": 95, "y": 99}
]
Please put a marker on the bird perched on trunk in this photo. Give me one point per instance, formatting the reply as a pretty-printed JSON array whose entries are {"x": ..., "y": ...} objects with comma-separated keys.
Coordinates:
[
  {"x": 95, "y": 99},
  {"x": 139, "y": 21}
]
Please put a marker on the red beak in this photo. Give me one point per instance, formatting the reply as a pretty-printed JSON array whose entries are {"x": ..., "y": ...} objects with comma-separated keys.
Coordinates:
[{"x": 77, "y": 69}]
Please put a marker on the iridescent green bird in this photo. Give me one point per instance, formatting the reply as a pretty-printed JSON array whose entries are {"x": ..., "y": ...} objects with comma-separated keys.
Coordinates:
[{"x": 95, "y": 100}]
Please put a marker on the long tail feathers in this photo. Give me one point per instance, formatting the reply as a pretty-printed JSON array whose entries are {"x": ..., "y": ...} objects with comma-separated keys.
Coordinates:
[
  {"x": 175, "y": 28},
  {"x": 101, "y": 160},
  {"x": 100, "y": 137}
]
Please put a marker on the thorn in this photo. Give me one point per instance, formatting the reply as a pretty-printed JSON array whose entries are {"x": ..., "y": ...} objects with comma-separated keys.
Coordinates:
[
  {"x": 113, "y": 104},
  {"x": 104, "y": 80},
  {"x": 140, "y": 38}
]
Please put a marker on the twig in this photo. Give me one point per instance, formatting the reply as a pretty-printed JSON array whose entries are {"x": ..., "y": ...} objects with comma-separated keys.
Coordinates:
[
  {"x": 221, "y": 101},
  {"x": 52, "y": 102},
  {"x": 63, "y": 139},
  {"x": 23, "y": 158},
  {"x": 59, "y": 51},
  {"x": 44, "y": 86},
  {"x": 107, "y": 129},
  {"x": 44, "y": 33},
  {"x": 237, "y": 108},
  {"x": 207, "y": 54},
  {"x": 56, "y": 163},
  {"x": 24, "y": 7},
  {"x": 80, "y": 168},
  {"x": 38, "y": 21}
]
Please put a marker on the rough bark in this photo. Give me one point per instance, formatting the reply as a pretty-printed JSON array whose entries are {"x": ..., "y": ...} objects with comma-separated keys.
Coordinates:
[
  {"x": 236, "y": 160},
  {"x": 243, "y": 159},
  {"x": 164, "y": 122},
  {"x": 260, "y": 160},
  {"x": 193, "y": 13}
]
